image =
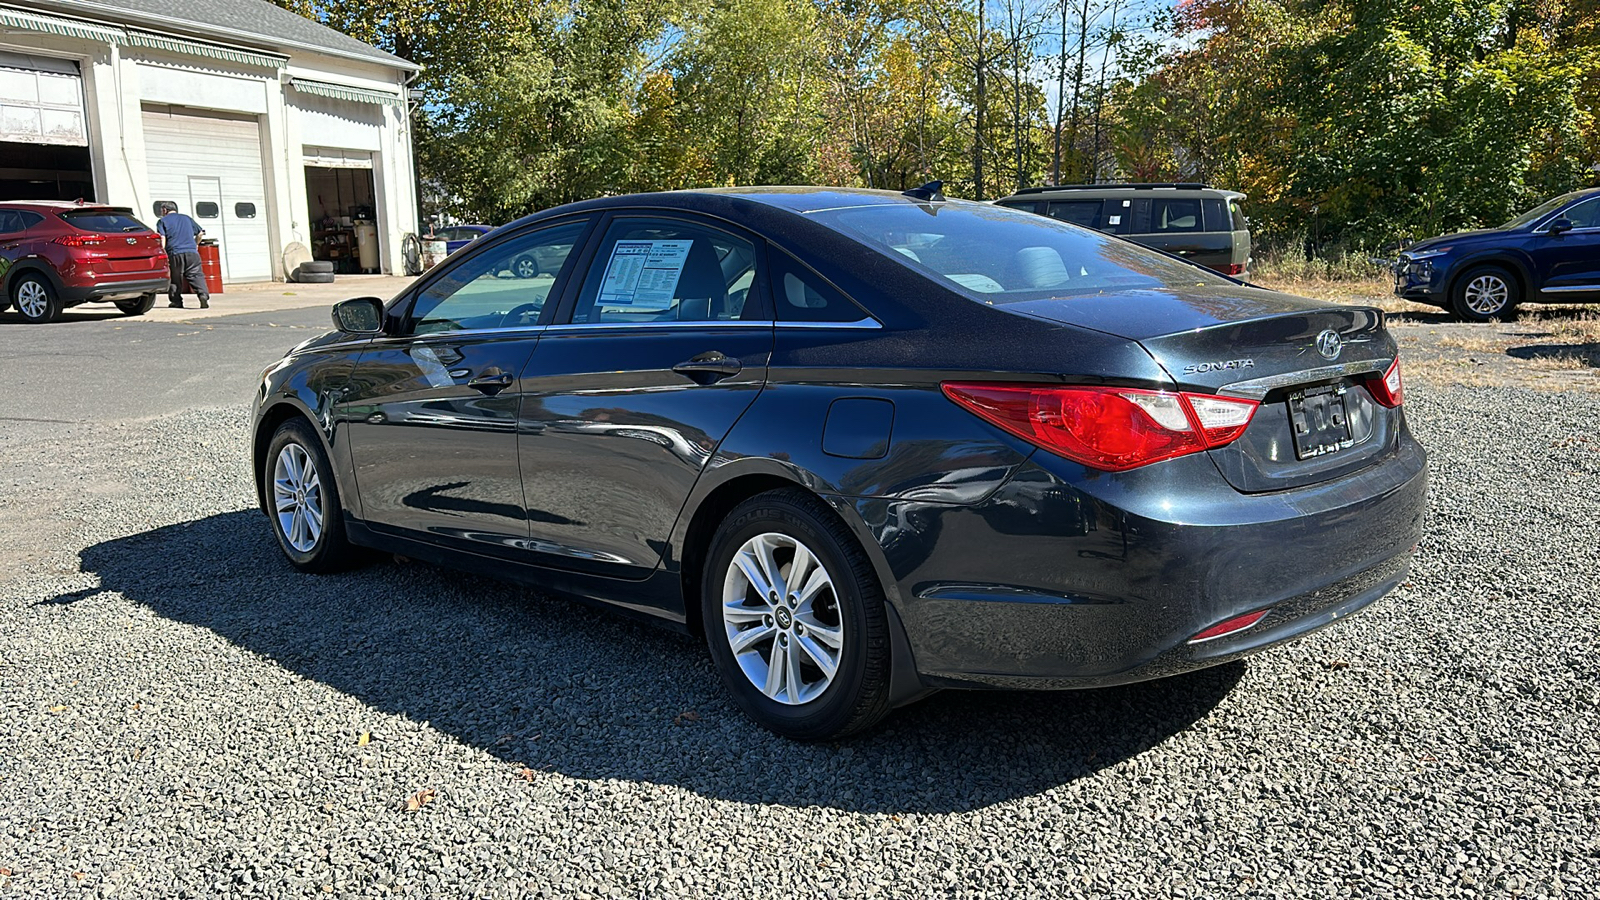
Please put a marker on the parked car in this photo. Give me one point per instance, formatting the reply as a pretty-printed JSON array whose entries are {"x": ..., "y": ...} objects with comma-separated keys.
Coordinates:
[
  {"x": 542, "y": 261},
  {"x": 1549, "y": 254},
  {"x": 457, "y": 236},
  {"x": 867, "y": 444},
  {"x": 1192, "y": 220},
  {"x": 58, "y": 254}
]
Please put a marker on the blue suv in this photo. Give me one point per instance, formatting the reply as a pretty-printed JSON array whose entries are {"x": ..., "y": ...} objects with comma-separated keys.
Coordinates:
[{"x": 1549, "y": 254}]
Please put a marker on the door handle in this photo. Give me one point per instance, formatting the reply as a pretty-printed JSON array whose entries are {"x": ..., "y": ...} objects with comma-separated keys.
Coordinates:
[
  {"x": 491, "y": 381},
  {"x": 708, "y": 367}
]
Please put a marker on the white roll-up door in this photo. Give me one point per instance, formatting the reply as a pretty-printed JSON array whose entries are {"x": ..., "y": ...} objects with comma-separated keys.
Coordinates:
[
  {"x": 41, "y": 101},
  {"x": 210, "y": 166}
]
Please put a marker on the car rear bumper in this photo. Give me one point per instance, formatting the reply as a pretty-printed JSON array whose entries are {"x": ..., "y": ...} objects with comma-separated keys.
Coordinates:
[
  {"x": 1051, "y": 585},
  {"x": 113, "y": 290}
]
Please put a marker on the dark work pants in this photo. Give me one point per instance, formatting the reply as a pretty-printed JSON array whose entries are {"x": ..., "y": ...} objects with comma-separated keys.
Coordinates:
[{"x": 186, "y": 267}]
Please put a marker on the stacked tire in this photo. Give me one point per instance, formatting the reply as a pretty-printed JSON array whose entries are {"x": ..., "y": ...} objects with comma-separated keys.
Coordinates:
[{"x": 316, "y": 271}]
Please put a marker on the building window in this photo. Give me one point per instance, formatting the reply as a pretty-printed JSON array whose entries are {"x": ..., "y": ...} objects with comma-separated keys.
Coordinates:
[
  {"x": 205, "y": 209},
  {"x": 244, "y": 210},
  {"x": 157, "y": 206}
]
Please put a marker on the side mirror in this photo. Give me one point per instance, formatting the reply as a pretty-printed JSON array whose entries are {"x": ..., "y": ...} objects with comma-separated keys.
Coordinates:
[
  {"x": 363, "y": 315},
  {"x": 1560, "y": 225}
]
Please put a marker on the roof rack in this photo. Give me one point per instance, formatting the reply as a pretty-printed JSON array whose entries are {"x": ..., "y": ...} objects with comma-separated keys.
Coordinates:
[{"x": 1174, "y": 185}]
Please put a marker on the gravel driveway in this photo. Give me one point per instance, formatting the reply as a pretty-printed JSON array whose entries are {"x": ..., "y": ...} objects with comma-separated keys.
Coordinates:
[{"x": 184, "y": 716}]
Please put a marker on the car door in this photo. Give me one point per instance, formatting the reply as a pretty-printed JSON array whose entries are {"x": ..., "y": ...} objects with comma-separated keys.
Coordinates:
[
  {"x": 1569, "y": 263},
  {"x": 431, "y": 409},
  {"x": 11, "y": 238},
  {"x": 662, "y": 346}
]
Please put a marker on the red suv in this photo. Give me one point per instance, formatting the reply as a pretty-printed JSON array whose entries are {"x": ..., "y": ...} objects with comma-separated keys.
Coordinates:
[{"x": 56, "y": 254}]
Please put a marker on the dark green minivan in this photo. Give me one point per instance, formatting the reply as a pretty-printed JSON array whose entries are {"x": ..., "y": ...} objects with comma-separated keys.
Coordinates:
[{"x": 1195, "y": 221}]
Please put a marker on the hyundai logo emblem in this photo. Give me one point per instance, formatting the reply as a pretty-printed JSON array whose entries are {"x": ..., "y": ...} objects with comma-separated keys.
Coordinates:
[
  {"x": 1329, "y": 344},
  {"x": 133, "y": 240}
]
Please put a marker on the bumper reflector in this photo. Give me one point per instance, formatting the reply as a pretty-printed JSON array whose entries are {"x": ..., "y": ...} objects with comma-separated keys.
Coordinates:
[{"x": 1230, "y": 626}]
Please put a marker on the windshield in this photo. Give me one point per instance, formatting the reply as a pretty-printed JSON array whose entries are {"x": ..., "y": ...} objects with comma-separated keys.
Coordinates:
[
  {"x": 1539, "y": 212},
  {"x": 1001, "y": 255}
]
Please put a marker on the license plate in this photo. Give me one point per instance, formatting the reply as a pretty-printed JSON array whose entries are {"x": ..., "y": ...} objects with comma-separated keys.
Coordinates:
[{"x": 1321, "y": 425}]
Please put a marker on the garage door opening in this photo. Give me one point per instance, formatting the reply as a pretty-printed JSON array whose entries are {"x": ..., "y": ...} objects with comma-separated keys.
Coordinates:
[
  {"x": 344, "y": 227},
  {"x": 41, "y": 172}
]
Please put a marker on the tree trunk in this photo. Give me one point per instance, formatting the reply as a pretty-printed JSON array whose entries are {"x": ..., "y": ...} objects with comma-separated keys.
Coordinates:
[
  {"x": 1100, "y": 94},
  {"x": 980, "y": 107}
]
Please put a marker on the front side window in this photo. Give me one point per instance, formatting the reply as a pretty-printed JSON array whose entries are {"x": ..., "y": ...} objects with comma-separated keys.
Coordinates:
[
  {"x": 667, "y": 270},
  {"x": 998, "y": 255},
  {"x": 1538, "y": 212},
  {"x": 505, "y": 286},
  {"x": 1585, "y": 214}
]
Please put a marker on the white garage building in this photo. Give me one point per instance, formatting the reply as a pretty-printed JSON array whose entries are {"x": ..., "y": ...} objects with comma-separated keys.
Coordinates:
[{"x": 280, "y": 136}]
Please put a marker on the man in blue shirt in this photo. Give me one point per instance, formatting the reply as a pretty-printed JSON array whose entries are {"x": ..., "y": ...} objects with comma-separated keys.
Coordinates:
[{"x": 183, "y": 255}]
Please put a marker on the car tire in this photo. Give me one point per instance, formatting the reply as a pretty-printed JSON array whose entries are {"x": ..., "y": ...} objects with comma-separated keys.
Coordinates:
[
  {"x": 302, "y": 501},
  {"x": 138, "y": 307},
  {"x": 304, "y": 277},
  {"x": 839, "y": 623},
  {"x": 317, "y": 265},
  {"x": 35, "y": 298},
  {"x": 525, "y": 267},
  {"x": 1485, "y": 294}
]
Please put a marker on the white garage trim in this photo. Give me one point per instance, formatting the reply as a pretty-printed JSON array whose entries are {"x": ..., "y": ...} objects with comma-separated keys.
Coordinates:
[
  {"x": 331, "y": 158},
  {"x": 211, "y": 166}
]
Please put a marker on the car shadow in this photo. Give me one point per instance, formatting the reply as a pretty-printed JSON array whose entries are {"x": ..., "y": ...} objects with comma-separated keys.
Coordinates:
[
  {"x": 556, "y": 686},
  {"x": 1582, "y": 355}
]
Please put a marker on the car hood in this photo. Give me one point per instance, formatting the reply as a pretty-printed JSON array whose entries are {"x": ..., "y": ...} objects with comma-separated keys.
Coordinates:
[
  {"x": 321, "y": 340},
  {"x": 1448, "y": 239}
]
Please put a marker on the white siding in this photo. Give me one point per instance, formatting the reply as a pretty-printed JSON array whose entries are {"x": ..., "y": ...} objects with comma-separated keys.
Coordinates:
[{"x": 193, "y": 158}]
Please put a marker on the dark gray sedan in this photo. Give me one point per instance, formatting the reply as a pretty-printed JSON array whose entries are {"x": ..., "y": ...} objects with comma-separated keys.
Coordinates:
[{"x": 867, "y": 444}]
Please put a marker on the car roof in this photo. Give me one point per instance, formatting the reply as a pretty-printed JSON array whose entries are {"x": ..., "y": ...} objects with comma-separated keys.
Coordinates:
[
  {"x": 56, "y": 205},
  {"x": 1099, "y": 191},
  {"x": 799, "y": 199}
]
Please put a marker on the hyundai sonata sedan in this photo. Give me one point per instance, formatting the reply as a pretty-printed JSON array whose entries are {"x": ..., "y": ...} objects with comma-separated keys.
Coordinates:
[{"x": 867, "y": 444}]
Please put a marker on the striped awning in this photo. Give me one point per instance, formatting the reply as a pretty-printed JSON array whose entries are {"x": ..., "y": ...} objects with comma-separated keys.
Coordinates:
[
  {"x": 343, "y": 92},
  {"x": 32, "y": 21},
  {"x": 210, "y": 51}
]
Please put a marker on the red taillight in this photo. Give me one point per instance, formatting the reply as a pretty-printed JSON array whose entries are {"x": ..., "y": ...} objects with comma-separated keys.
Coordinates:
[
  {"x": 1390, "y": 390},
  {"x": 1109, "y": 428},
  {"x": 80, "y": 240},
  {"x": 1229, "y": 626},
  {"x": 1231, "y": 268}
]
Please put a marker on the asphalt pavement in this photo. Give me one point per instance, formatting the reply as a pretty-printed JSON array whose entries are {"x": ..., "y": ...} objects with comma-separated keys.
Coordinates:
[{"x": 183, "y": 715}]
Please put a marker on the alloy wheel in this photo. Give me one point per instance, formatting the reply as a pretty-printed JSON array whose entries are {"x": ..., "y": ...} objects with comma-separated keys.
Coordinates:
[
  {"x": 297, "y": 497},
  {"x": 1487, "y": 294},
  {"x": 32, "y": 298},
  {"x": 781, "y": 615}
]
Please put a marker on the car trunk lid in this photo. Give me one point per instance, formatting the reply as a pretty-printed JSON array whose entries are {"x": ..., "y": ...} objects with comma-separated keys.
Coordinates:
[{"x": 1307, "y": 363}]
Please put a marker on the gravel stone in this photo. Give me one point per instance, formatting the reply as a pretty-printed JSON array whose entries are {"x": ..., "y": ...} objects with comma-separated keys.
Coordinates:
[{"x": 183, "y": 715}]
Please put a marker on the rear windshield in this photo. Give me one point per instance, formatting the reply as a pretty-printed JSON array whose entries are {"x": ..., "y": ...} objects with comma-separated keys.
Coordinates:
[
  {"x": 999, "y": 255},
  {"x": 103, "y": 220}
]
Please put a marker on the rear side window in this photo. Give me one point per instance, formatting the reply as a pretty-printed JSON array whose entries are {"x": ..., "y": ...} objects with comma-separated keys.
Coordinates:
[
  {"x": 1024, "y": 205},
  {"x": 1217, "y": 218},
  {"x": 14, "y": 220},
  {"x": 114, "y": 220},
  {"x": 1174, "y": 214},
  {"x": 804, "y": 296},
  {"x": 1078, "y": 212},
  {"x": 1240, "y": 223}
]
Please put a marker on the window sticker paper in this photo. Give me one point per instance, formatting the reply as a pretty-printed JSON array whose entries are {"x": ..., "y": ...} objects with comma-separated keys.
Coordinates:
[
  {"x": 643, "y": 275},
  {"x": 1114, "y": 220}
]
